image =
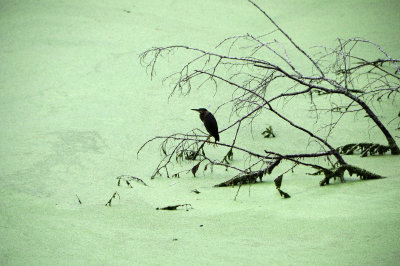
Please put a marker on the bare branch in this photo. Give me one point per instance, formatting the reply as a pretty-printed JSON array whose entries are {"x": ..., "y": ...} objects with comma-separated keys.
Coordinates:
[
  {"x": 264, "y": 79},
  {"x": 288, "y": 37}
]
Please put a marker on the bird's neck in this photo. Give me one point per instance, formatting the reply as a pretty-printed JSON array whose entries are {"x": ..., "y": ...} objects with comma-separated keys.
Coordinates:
[{"x": 202, "y": 115}]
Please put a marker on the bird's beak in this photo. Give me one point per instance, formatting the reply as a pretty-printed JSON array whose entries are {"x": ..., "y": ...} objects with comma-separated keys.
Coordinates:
[{"x": 195, "y": 110}]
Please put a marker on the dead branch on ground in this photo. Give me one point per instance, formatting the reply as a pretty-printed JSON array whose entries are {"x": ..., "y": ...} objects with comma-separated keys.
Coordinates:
[{"x": 264, "y": 80}]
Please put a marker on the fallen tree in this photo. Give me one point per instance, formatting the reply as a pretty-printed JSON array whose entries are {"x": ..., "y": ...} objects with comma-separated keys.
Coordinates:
[{"x": 262, "y": 75}]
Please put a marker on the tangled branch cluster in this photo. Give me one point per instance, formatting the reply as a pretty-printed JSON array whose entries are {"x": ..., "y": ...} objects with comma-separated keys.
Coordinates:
[{"x": 266, "y": 75}]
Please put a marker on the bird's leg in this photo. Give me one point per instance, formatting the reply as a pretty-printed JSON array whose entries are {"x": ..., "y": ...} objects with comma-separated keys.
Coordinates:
[{"x": 208, "y": 139}]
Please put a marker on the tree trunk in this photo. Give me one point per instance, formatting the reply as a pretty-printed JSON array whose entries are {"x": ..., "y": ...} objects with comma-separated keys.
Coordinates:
[{"x": 394, "y": 149}]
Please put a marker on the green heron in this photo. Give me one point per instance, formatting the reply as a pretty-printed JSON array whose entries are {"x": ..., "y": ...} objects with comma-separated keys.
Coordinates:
[{"x": 209, "y": 122}]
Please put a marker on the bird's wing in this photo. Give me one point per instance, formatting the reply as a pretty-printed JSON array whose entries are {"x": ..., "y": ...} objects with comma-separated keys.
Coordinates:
[{"x": 211, "y": 125}]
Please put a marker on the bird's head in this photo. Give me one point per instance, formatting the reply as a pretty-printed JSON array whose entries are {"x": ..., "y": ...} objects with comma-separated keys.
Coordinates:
[{"x": 201, "y": 110}]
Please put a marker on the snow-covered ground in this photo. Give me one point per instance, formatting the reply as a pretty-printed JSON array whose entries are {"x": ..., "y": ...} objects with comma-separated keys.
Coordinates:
[{"x": 75, "y": 106}]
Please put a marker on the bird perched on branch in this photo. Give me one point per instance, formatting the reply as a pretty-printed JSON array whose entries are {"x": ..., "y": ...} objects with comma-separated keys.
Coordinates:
[{"x": 209, "y": 122}]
